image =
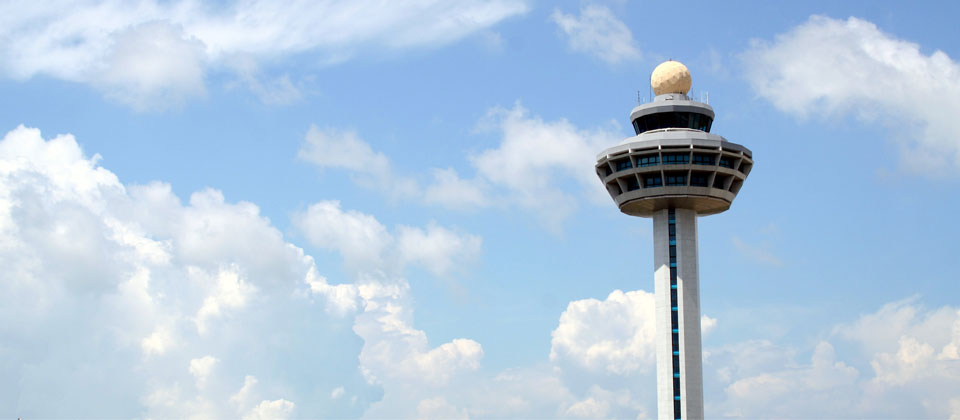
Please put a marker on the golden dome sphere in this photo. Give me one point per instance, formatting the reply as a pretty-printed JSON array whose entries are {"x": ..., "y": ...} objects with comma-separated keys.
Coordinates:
[{"x": 670, "y": 77}]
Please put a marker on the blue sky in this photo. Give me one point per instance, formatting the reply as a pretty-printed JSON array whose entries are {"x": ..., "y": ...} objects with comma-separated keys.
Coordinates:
[{"x": 363, "y": 209}]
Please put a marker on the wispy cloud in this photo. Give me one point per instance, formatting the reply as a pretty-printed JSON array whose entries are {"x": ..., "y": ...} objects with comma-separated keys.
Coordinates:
[
  {"x": 597, "y": 32},
  {"x": 836, "y": 68},
  {"x": 155, "y": 54},
  {"x": 758, "y": 253},
  {"x": 551, "y": 185}
]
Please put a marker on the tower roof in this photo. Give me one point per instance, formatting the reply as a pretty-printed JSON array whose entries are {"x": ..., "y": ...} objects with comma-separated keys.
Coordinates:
[{"x": 670, "y": 77}]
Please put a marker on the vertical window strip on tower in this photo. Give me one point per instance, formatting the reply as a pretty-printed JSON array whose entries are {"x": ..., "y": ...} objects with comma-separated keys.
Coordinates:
[{"x": 674, "y": 311}]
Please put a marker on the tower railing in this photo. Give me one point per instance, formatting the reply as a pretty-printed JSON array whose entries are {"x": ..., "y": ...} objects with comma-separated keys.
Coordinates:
[{"x": 702, "y": 97}]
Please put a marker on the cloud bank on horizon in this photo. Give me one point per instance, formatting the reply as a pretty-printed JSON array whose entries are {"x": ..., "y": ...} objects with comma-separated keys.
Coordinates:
[{"x": 125, "y": 287}]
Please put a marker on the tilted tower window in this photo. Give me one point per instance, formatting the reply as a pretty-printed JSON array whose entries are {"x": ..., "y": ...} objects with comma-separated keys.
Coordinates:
[
  {"x": 652, "y": 181},
  {"x": 647, "y": 160},
  {"x": 677, "y": 119},
  {"x": 676, "y": 158},
  {"x": 702, "y": 159}
]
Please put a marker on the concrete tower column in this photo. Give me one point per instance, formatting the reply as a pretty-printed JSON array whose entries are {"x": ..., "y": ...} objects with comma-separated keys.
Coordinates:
[{"x": 677, "y": 290}]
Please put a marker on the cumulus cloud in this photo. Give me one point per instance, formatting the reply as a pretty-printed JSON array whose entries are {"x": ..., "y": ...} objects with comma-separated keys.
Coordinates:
[
  {"x": 397, "y": 355},
  {"x": 839, "y": 68},
  {"x": 271, "y": 410},
  {"x": 126, "y": 292},
  {"x": 448, "y": 189},
  {"x": 563, "y": 154},
  {"x": 331, "y": 148},
  {"x": 597, "y": 32},
  {"x": 439, "y": 249},
  {"x": 358, "y": 237},
  {"x": 532, "y": 168},
  {"x": 368, "y": 247},
  {"x": 439, "y": 408},
  {"x": 707, "y": 324},
  {"x": 824, "y": 383},
  {"x": 201, "y": 369},
  {"x": 127, "y": 327},
  {"x": 155, "y": 54},
  {"x": 909, "y": 369},
  {"x": 615, "y": 335}
]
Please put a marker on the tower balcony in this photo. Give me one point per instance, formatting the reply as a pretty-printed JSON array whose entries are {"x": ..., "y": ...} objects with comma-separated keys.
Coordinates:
[{"x": 674, "y": 168}]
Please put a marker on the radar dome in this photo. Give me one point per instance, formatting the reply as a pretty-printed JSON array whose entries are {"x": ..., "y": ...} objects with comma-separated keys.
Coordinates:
[{"x": 670, "y": 77}]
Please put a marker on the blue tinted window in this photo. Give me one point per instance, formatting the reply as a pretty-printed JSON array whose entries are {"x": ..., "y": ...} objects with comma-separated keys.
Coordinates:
[
  {"x": 672, "y": 120},
  {"x": 699, "y": 159},
  {"x": 648, "y": 160},
  {"x": 698, "y": 180},
  {"x": 675, "y": 158}
]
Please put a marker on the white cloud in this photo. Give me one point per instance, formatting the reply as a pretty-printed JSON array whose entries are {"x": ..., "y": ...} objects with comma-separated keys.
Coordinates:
[
  {"x": 202, "y": 368},
  {"x": 589, "y": 408},
  {"x": 154, "y": 54},
  {"x": 279, "y": 90},
  {"x": 358, "y": 237},
  {"x": 229, "y": 291},
  {"x": 152, "y": 65},
  {"x": 838, "y": 68},
  {"x": 760, "y": 253},
  {"x": 341, "y": 298},
  {"x": 615, "y": 335},
  {"x": 132, "y": 319},
  {"x": 908, "y": 370},
  {"x": 536, "y": 159},
  {"x": 397, "y": 355},
  {"x": 907, "y": 344},
  {"x": 823, "y": 384},
  {"x": 158, "y": 342},
  {"x": 271, "y": 410},
  {"x": 449, "y": 190},
  {"x": 707, "y": 324},
  {"x": 438, "y": 249},
  {"x": 531, "y": 168},
  {"x": 126, "y": 278},
  {"x": 368, "y": 247},
  {"x": 176, "y": 283},
  {"x": 171, "y": 284},
  {"x": 337, "y": 393},
  {"x": 439, "y": 408},
  {"x": 243, "y": 397},
  {"x": 597, "y": 32},
  {"x": 332, "y": 148}
]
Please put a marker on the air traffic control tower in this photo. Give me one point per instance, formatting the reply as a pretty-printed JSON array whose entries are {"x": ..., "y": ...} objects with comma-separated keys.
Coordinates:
[{"x": 675, "y": 170}]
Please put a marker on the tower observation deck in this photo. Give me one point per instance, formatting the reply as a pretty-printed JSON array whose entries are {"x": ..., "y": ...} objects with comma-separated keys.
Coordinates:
[{"x": 674, "y": 170}]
